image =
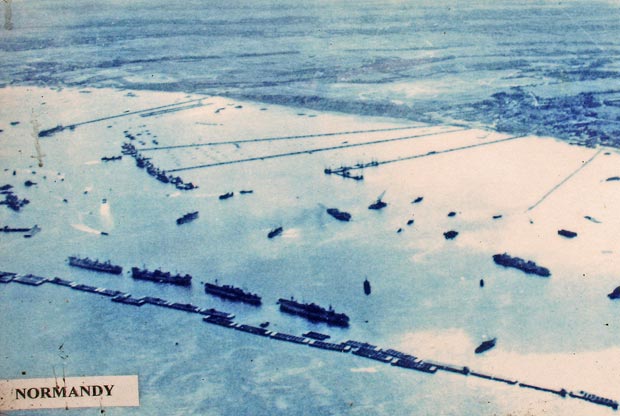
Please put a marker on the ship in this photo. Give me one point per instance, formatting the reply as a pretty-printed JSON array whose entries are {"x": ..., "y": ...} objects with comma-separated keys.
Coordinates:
[
  {"x": 232, "y": 293},
  {"x": 190, "y": 216},
  {"x": 367, "y": 287},
  {"x": 615, "y": 294},
  {"x": 339, "y": 215},
  {"x": 226, "y": 195},
  {"x": 96, "y": 265},
  {"x": 161, "y": 277},
  {"x": 450, "y": 235},
  {"x": 275, "y": 232},
  {"x": 378, "y": 204},
  {"x": 528, "y": 267},
  {"x": 485, "y": 346},
  {"x": 567, "y": 233},
  {"x": 314, "y": 312}
]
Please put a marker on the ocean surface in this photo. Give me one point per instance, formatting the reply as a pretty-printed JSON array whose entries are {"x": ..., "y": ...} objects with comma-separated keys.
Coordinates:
[
  {"x": 334, "y": 67},
  {"x": 422, "y": 60}
]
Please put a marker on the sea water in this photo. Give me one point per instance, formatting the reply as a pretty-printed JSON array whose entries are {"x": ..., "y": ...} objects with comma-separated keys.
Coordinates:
[{"x": 426, "y": 299}]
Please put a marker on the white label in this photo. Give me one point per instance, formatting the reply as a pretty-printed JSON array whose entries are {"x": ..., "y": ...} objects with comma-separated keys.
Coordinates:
[{"x": 69, "y": 392}]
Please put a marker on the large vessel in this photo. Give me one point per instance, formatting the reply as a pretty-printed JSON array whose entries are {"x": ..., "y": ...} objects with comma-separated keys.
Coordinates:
[
  {"x": 528, "y": 267},
  {"x": 161, "y": 277},
  {"x": 314, "y": 312},
  {"x": 232, "y": 293},
  {"x": 99, "y": 266}
]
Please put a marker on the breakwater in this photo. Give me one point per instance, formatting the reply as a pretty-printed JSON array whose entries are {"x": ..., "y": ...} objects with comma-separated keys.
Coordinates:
[{"x": 359, "y": 348}]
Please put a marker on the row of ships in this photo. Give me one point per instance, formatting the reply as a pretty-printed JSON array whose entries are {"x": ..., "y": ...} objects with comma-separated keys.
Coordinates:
[{"x": 310, "y": 311}]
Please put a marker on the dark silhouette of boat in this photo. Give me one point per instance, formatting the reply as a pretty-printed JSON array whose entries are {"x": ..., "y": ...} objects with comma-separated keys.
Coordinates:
[
  {"x": 451, "y": 214},
  {"x": 367, "y": 289},
  {"x": 161, "y": 277},
  {"x": 450, "y": 235},
  {"x": 528, "y": 267},
  {"x": 314, "y": 312},
  {"x": 485, "y": 346},
  {"x": 226, "y": 195},
  {"x": 417, "y": 200},
  {"x": 7, "y": 229},
  {"x": 316, "y": 335},
  {"x": 615, "y": 294},
  {"x": 567, "y": 233},
  {"x": 275, "y": 232},
  {"x": 96, "y": 265},
  {"x": 339, "y": 215},
  {"x": 378, "y": 204},
  {"x": 481, "y": 282},
  {"x": 111, "y": 158},
  {"x": 232, "y": 293},
  {"x": 190, "y": 216}
]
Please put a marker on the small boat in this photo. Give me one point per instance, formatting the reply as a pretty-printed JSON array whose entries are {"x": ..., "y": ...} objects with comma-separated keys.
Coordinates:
[
  {"x": 339, "y": 215},
  {"x": 567, "y": 233},
  {"x": 275, "y": 232},
  {"x": 485, "y": 346},
  {"x": 367, "y": 288},
  {"x": 226, "y": 195},
  {"x": 378, "y": 204},
  {"x": 615, "y": 294}
]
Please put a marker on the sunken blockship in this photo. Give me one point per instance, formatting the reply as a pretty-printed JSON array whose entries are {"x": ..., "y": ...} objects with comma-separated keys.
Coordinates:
[
  {"x": 528, "y": 267},
  {"x": 161, "y": 277},
  {"x": 96, "y": 265},
  {"x": 232, "y": 293},
  {"x": 314, "y": 312},
  {"x": 311, "y": 339}
]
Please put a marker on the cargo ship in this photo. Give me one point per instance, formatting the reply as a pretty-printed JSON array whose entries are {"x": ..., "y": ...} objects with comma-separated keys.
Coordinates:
[
  {"x": 232, "y": 293},
  {"x": 161, "y": 277},
  {"x": 314, "y": 312},
  {"x": 528, "y": 267},
  {"x": 190, "y": 216},
  {"x": 96, "y": 265}
]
